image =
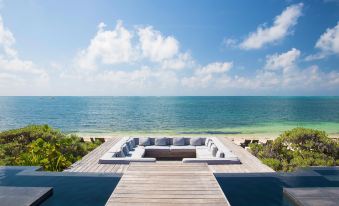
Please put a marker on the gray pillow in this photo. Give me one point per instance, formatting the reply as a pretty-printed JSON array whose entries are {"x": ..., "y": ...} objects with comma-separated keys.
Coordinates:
[
  {"x": 195, "y": 141},
  {"x": 132, "y": 142},
  {"x": 163, "y": 141},
  {"x": 209, "y": 144},
  {"x": 220, "y": 154},
  {"x": 129, "y": 145},
  {"x": 179, "y": 141},
  {"x": 207, "y": 140},
  {"x": 144, "y": 141},
  {"x": 214, "y": 150},
  {"x": 120, "y": 154},
  {"x": 125, "y": 149}
]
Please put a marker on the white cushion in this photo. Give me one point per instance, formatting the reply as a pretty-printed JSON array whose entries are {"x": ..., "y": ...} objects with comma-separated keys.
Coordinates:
[
  {"x": 195, "y": 141},
  {"x": 178, "y": 141},
  {"x": 207, "y": 140},
  {"x": 156, "y": 147},
  {"x": 214, "y": 150},
  {"x": 203, "y": 152},
  {"x": 163, "y": 141},
  {"x": 185, "y": 147},
  {"x": 209, "y": 144},
  {"x": 138, "y": 152},
  {"x": 144, "y": 141}
]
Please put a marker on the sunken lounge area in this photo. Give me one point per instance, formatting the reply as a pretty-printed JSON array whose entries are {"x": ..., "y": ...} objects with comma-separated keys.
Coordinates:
[{"x": 151, "y": 149}]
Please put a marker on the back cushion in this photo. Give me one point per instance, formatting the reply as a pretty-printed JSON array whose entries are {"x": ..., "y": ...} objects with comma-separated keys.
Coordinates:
[
  {"x": 162, "y": 141},
  {"x": 144, "y": 141},
  {"x": 195, "y": 141},
  {"x": 120, "y": 154},
  {"x": 207, "y": 140},
  {"x": 129, "y": 145},
  {"x": 125, "y": 149},
  {"x": 220, "y": 154},
  {"x": 214, "y": 150},
  {"x": 132, "y": 141},
  {"x": 178, "y": 141},
  {"x": 209, "y": 144}
]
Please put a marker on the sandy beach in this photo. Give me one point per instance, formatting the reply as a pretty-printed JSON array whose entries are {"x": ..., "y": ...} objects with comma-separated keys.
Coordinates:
[{"x": 236, "y": 138}]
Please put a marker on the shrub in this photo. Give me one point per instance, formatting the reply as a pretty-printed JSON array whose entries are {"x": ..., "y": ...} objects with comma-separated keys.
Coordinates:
[
  {"x": 298, "y": 147},
  {"x": 41, "y": 145}
]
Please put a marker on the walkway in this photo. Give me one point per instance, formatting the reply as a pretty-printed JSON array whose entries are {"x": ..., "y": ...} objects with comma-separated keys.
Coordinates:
[{"x": 167, "y": 183}]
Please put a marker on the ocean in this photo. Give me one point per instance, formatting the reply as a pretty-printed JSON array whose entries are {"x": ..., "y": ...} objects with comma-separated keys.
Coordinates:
[{"x": 172, "y": 115}]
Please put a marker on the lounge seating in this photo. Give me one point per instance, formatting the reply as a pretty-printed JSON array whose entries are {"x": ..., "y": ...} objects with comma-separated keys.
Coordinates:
[{"x": 189, "y": 150}]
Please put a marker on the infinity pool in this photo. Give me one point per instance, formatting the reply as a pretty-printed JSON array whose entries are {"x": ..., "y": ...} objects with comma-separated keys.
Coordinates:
[
  {"x": 253, "y": 189},
  {"x": 68, "y": 188},
  {"x": 267, "y": 189}
]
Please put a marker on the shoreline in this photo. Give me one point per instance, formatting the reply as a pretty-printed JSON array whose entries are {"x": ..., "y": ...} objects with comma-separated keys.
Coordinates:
[{"x": 236, "y": 138}]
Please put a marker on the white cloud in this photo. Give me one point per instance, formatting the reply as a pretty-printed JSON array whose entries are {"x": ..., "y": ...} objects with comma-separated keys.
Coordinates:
[
  {"x": 284, "y": 61},
  {"x": 215, "y": 68},
  {"x": 183, "y": 60},
  {"x": 329, "y": 41},
  {"x": 230, "y": 42},
  {"x": 281, "y": 27},
  {"x": 155, "y": 46},
  {"x": 16, "y": 74},
  {"x": 108, "y": 47},
  {"x": 328, "y": 44},
  {"x": 203, "y": 76},
  {"x": 280, "y": 73}
]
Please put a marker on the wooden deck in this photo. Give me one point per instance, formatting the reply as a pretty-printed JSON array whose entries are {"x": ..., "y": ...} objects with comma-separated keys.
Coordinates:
[
  {"x": 89, "y": 163},
  {"x": 167, "y": 183},
  {"x": 249, "y": 163}
]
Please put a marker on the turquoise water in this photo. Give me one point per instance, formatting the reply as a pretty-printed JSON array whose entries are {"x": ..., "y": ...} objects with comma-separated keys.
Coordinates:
[{"x": 172, "y": 115}]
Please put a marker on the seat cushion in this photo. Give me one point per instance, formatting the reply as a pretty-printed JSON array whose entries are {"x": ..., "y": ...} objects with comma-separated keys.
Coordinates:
[
  {"x": 138, "y": 152},
  {"x": 195, "y": 141},
  {"x": 163, "y": 141},
  {"x": 207, "y": 140},
  {"x": 185, "y": 147},
  {"x": 178, "y": 141},
  {"x": 209, "y": 144},
  {"x": 203, "y": 152},
  {"x": 144, "y": 141},
  {"x": 156, "y": 147}
]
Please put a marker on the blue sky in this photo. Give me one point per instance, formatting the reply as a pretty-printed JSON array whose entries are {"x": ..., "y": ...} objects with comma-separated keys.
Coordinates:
[{"x": 268, "y": 47}]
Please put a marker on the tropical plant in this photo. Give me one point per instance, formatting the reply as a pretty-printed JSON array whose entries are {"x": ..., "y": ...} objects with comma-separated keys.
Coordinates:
[
  {"x": 41, "y": 145},
  {"x": 299, "y": 147}
]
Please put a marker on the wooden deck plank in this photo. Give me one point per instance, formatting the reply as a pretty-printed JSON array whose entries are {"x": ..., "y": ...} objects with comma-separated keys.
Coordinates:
[
  {"x": 90, "y": 162},
  {"x": 167, "y": 184}
]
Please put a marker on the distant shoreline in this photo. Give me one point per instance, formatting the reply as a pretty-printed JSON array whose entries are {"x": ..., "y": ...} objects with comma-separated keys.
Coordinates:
[{"x": 237, "y": 138}]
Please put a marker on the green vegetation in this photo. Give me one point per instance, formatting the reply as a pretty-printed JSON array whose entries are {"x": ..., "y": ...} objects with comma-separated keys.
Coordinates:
[
  {"x": 41, "y": 145},
  {"x": 298, "y": 147}
]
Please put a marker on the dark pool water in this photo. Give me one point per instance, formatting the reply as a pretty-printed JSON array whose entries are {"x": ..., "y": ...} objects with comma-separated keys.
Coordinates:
[
  {"x": 259, "y": 190},
  {"x": 68, "y": 189}
]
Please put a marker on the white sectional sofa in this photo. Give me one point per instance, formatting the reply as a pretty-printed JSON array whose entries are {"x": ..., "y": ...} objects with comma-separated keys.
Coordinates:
[{"x": 189, "y": 150}]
